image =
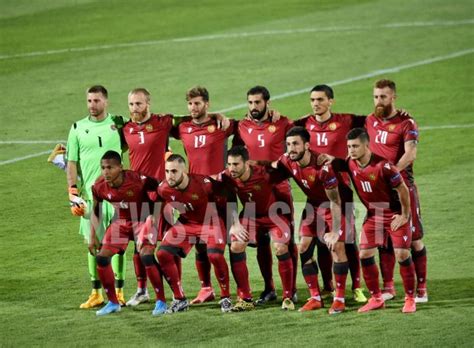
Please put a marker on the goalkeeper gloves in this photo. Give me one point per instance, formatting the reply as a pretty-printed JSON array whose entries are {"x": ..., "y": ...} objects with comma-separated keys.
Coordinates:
[{"x": 78, "y": 205}]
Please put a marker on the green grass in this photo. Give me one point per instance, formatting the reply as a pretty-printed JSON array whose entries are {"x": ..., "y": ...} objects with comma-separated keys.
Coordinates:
[{"x": 43, "y": 269}]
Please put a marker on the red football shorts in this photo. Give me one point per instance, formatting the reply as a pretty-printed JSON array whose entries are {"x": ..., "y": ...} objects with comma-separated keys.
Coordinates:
[
  {"x": 376, "y": 230},
  {"x": 278, "y": 227}
]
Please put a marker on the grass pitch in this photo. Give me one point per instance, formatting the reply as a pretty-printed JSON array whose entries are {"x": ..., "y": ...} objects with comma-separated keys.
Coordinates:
[{"x": 50, "y": 52}]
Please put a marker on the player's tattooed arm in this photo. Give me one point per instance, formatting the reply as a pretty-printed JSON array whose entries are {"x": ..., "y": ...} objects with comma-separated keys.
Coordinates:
[
  {"x": 335, "y": 205},
  {"x": 399, "y": 220},
  {"x": 409, "y": 155}
]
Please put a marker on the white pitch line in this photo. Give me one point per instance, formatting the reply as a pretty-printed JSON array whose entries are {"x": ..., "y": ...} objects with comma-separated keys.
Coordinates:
[
  {"x": 2, "y": 142},
  {"x": 27, "y": 142},
  {"x": 241, "y": 35},
  {"x": 303, "y": 90},
  {"x": 17, "y": 159},
  {"x": 374, "y": 73},
  {"x": 13, "y": 160}
]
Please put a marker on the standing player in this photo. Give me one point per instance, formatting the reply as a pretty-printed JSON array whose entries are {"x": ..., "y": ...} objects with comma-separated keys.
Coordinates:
[
  {"x": 127, "y": 192},
  {"x": 381, "y": 189},
  {"x": 394, "y": 136},
  {"x": 146, "y": 135},
  {"x": 254, "y": 186},
  {"x": 328, "y": 132},
  {"x": 192, "y": 196},
  {"x": 205, "y": 144},
  {"x": 265, "y": 141},
  {"x": 89, "y": 138},
  {"x": 319, "y": 220}
]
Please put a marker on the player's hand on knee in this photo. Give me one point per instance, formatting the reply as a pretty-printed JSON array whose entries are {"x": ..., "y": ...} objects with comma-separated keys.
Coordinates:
[
  {"x": 239, "y": 232},
  {"x": 398, "y": 220},
  {"x": 331, "y": 239},
  {"x": 93, "y": 247}
]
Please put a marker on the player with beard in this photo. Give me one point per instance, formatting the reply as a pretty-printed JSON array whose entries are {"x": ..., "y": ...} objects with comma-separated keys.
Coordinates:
[
  {"x": 320, "y": 222},
  {"x": 127, "y": 191},
  {"x": 394, "y": 136},
  {"x": 198, "y": 224},
  {"x": 146, "y": 135},
  {"x": 328, "y": 133},
  {"x": 205, "y": 144},
  {"x": 265, "y": 140},
  {"x": 382, "y": 190},
  {"x": 260, "y": 215}
]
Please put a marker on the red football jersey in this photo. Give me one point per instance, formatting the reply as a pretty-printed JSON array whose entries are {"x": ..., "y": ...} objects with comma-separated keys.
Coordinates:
[
  {"x": 129, "y": 198},
  {"x": 192, "y": 202},
  {"x": 265, "y": 141},
  {"x": 205, "y": 145},
  {"x": 312, "y": 179},
  {"x": 257, "y": 189},
  {"x": 387, "y": 139},
  {"x": 148, "y": 143},
  {"x": 330, "y": 136},
  {"x": 375, "y": 184}
]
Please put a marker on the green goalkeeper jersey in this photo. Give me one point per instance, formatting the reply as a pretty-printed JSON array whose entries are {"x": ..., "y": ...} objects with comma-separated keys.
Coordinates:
[{"x": 87, "y": 142}]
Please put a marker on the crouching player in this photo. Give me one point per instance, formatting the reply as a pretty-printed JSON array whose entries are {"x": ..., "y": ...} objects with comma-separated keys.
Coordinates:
[
  {"x": 127, "y": 192},
  {"x": 381, "y": 189},
  {"x": 198, "y": 223},
  {"x": 320, "y": 219},
  {"x": 254, "y": 187}
]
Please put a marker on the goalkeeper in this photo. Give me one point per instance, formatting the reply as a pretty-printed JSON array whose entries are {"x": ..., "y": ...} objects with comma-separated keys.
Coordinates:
[{"x": 88, "y": 140}]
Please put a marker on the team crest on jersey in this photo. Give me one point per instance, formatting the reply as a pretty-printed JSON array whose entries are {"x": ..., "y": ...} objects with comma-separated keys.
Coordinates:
[
  {"x": 257, "y": 187},
  {"x": 211, "y": 128},
  {"x": 189, "y": 129},
  {"x": 129, "y": 193},
  {"x": 149, "y": 127},
  {"x": 194, "y": 196},
  {"x": 311, "y": 178},
  {"x": 173, "y": 198},
  {"x": 113, "y": 127},
  {"x": 355, "y": 173},
  {"x": 387, "y": 165},
  {"x": 295, "y": 171},
  {"x": 372, "y": 176},
  {"x": 376, "y": 123},
  {"x": 250, "y": 130},
  {"x": 311, "y": 127},
  {"x": 109, "y": 196},
  {"x": 272, "y": 129},
  {"x": 391, "y": 127},
  {"x": 131, "y": 130},
  {"x": 332, "y": 126}
]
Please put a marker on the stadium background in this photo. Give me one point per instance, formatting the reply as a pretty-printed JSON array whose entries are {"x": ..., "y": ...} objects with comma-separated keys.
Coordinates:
[{"x": 51, "y": 51}]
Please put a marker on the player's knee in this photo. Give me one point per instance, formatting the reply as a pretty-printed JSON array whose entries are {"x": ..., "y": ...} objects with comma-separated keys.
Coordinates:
[
  {"x": 237, "y": 247},
  {"x": 102, "y": 261},
  {"x": 215, "y": 257},
  {"x": 164, "y": 256},
  {"x": 306, "y": 255},
  {"x": 280, "y": 248},
  {"x": 401, "y": 254},
  {"x": 417, "y": 245},
  {"x": 148, "y": 260},
  {"x": 366, "y": 253},
  {"x": 339, "y": 253}
]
